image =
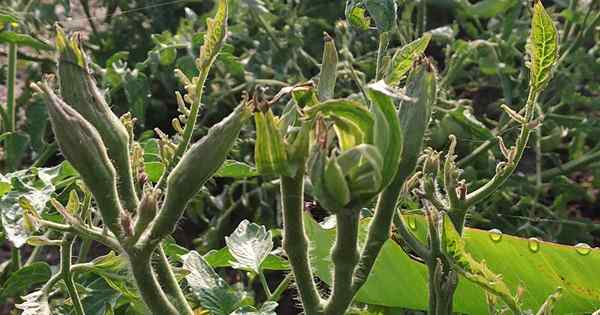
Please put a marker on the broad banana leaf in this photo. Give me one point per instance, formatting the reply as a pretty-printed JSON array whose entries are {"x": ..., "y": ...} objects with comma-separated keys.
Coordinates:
[{"x": 399, "y": 281}]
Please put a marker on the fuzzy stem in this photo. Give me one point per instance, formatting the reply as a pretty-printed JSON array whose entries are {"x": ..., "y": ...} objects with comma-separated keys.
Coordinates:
[
  {"x": 295, "y": 242},
  {"x": 501, "y": 177},
  {"x": 283, "y": 285},
  {"x": 265, "y": 285},
  {"x": 65, "y": 269},
  {"x": 344, "y": 256},
  {"x": 379, "y": 229},
  {"x": 147, "y": 284},
  {"x": 170, "y": 284}
]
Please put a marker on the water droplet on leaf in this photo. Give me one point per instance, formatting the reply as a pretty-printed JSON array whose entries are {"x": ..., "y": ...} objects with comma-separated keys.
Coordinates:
[
  {"x": 534, "y": 244},
  {"x": 583, "y": 248},
  {"x": 495, "y": 235}
]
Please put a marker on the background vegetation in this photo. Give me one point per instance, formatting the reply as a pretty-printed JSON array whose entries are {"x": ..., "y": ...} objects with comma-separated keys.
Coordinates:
[{"x": 134, "y": 46}]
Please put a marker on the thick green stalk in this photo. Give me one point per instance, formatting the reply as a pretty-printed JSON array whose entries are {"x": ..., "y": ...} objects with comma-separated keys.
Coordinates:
[
  {"x": 170, "y": 285},
  {"x": 414, "y": 118},
  {"x": 295, "y": 241},
  {"x": 65, "y": 269},
  {"x": 344, "y": 256},
  {"x": 147, "y": 283}
]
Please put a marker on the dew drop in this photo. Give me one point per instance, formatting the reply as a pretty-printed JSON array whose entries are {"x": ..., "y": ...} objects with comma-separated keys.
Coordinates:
[
  {"x": 495, "y": 235},
  {"x": 412, "y": 222},
  {"x": 534, "y": 244},
  {"x": 583, "y": 248}
]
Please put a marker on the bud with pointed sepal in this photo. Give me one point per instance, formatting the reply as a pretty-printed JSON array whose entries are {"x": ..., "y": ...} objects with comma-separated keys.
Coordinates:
[
  {"x": 78, "y": 89},
  {"x": 82, "y": 146}
]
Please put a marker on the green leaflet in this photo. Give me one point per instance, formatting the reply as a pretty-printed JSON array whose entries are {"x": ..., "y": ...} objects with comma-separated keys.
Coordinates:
[
  {"x": 488, "y": 8},
  {"x": 269, "y": 152},
  {"x": 384, "y": 12},
  {"x": 394, "y": 271},
  {"x": 328, "y": 70},
  {"x": 23, "y": 40},
  {"x": 250, "y": 245},
  {"x": 357, "y": 18},
  {"x": 23, "y": 279},
  {"x": 542, "y": 46},
  {"x": 404, "y": 58},
  {"x": 214, "y": 38},
  {"x": 473, "y": 270},
  {"x": 387, "y": 134}
]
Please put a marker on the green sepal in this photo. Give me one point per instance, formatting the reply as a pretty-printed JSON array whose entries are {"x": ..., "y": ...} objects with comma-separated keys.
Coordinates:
[
  {"x": 270, "y": 150},
  {"x": 387, "y": 134}
]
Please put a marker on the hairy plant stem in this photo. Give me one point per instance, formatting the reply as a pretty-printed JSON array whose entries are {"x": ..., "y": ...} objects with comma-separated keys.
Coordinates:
[
  {"x": 169, "y": 282},
  {"x": 295, "y": 241},
  {"x": 65, "y": 269},
  {"x": 283, "y": 285},
  {"x": 147, "y": 283},
  {"x": 344, "y": 256},
  {"x": 501, "y": 177}
]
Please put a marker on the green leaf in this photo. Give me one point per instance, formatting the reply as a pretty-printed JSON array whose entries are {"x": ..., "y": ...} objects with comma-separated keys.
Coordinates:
[
  {"x": 542, "y": 47},
  {"x": 538, "y": 272},
  {"x": 387, "y": 134},
  {"x": 23, "y": 40},
  {"x": 12, "y": 211},
  {"x": 404, "y": 58},
  {"x": 357, "y": 18},
  {"x": 384, "y": 12},
  {"x": 167, "y": 55},
  {"x": 18, "y": 142},
  {"x": 212, "y": 291},
  {"x": 270, "y": 154},
  {"x": 268, "y": 308},
  {"x": 26, "y": 277},
  {"x": 223, "y": 258},
  {"x": 5, "y": 185},
  {"x": 250, "y": 244},
  {"x": 100, "y": 298},
  {"x": 463, "y": 117},
  {"x": 235, "y": 169},
  {"x": 488, "y": 8},
  {"x": 154, "y": 170},
  {"x": 35, "y": 303},
  {"x": 137, "y": 91},
  {"x": 473, "y": 270}
]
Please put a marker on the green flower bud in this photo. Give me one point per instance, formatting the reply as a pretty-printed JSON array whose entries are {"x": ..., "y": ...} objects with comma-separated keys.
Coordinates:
[
  {"x": 335, "y": 182},
  {"x": 193, "y": 170},
  {"x": 82, "y": 146},
  {"x": 316, "y": 165},
  {"x": 147, "y": 210},
  {"x": 78, "y": 89}
]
